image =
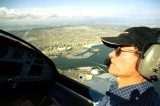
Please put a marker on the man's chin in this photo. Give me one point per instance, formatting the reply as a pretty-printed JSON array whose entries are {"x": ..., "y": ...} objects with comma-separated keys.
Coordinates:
[{"x": 111, "y": 71}]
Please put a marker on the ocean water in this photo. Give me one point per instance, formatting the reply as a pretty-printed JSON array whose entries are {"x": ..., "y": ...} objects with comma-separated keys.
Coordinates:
[{"x": 97, "y": 59}]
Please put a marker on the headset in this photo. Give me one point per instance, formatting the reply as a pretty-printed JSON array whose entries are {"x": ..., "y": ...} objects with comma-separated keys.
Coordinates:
[{"x": 148, "y": 64}]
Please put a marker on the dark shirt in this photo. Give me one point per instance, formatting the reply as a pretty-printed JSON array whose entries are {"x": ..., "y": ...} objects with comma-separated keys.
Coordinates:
[{"x": 142, "y": 94}]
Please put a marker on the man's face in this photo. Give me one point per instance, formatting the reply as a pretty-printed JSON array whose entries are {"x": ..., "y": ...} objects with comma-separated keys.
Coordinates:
[{"x": 124, "y": 64}]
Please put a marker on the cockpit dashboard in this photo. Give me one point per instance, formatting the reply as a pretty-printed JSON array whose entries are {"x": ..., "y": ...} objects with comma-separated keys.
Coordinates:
[
  {"x": 24, "y": 68},
  {"x": 21, "y": 64}
]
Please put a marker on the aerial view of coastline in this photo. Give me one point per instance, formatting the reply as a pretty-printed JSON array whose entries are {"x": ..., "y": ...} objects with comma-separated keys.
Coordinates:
[{"x": 64, "y": 43}]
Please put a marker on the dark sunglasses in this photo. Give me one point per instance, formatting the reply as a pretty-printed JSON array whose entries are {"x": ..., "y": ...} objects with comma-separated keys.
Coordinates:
[{"x": 118, "y": 51}]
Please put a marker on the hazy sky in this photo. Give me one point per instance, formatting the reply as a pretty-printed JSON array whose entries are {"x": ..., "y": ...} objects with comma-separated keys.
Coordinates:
[
  {"x": 61, "y": 9},
  {"x": 117, "y": 4}
]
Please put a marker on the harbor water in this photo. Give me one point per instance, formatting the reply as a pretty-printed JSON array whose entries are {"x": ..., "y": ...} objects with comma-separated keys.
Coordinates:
[{"x": 97, "y": 59}]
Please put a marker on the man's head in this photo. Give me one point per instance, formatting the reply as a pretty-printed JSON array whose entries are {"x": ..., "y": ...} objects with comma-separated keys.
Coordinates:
[
  {"x": 128, "y": 47},
  {"x": 135, "y": 36}
]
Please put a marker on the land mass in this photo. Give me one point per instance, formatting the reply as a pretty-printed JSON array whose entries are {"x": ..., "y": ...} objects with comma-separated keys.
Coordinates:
[{"x": 65, "y": 39}]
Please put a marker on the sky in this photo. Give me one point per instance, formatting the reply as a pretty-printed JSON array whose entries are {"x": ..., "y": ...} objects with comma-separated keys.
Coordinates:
[{"x": 32, "y": 10}]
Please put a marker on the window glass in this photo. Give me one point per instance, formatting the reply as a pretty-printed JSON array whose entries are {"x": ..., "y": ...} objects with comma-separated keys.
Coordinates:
[{"x": 69, "y": 31}]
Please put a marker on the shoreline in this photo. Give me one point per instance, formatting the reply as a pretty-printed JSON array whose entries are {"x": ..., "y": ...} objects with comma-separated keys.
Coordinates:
[
  {"x": 83, "y": 46},
  {"x": 90, "y": 45},
  {"x": 79, "y": 57},
  {"x": 72, "y": 56}
]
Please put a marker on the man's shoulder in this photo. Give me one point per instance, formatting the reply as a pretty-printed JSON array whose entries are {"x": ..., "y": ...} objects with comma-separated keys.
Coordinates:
[{"x": 150, "y": 98}]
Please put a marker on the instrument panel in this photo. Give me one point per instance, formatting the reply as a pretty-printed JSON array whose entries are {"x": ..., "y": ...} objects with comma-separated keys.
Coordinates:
[{"x": 19, "y": 63}]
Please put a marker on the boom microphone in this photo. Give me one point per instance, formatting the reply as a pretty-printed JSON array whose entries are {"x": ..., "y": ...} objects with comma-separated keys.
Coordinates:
[{"x": 107, "y": 62}]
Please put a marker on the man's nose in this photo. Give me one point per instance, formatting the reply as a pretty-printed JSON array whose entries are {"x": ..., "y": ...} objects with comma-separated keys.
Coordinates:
[{"x": 112, "y": 54}]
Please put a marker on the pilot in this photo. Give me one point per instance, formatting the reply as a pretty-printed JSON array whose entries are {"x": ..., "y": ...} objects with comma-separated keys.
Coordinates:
[{"x": 132, "y": 88}]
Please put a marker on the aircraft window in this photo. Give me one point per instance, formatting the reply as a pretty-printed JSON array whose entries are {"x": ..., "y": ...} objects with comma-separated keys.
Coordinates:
[{"x": 69, "y": 34}]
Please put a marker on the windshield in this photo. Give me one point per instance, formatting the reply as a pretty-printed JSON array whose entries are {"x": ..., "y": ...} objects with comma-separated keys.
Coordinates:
[{"x": 69, "y": 31}]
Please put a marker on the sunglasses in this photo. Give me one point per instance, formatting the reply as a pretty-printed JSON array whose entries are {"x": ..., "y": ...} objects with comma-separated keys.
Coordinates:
[{"x": 118, "y": 51}]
